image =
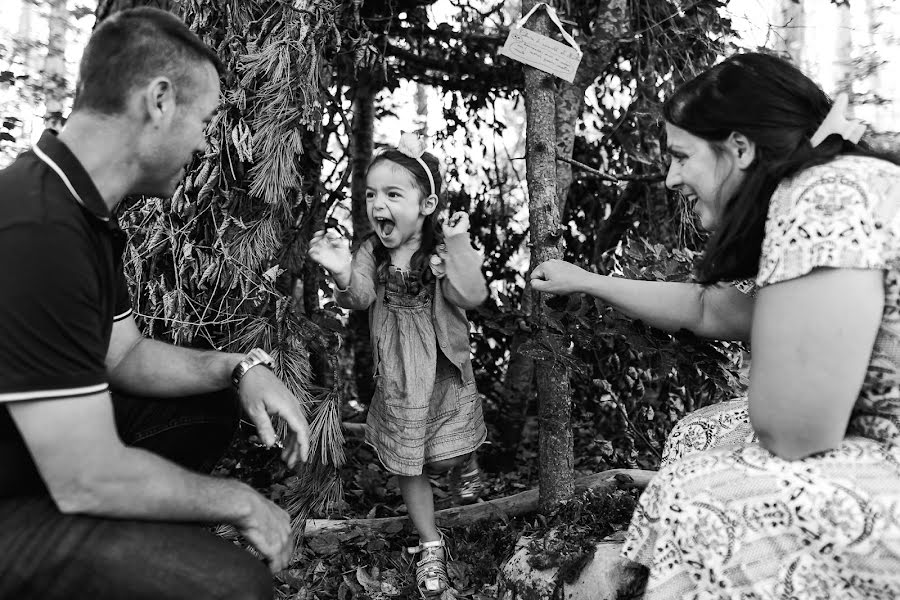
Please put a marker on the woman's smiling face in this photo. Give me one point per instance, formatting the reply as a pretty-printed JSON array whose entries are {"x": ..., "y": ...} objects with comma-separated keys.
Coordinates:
[
  {"x": 394, "y": 204},
  {"x": 707, "y": 176}
]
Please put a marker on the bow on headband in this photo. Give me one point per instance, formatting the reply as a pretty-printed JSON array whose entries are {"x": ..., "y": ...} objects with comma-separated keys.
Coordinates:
[
  {"x": 836, "y": 122},
  {"x": 413, "y": 146}
]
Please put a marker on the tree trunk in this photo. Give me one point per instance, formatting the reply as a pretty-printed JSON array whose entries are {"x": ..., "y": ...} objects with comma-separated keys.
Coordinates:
[
  {"x": 790, "y": 17},
  {"x": 843, "y": 60},
  {"x": 24, "y": 47},
  {"x": 612, "y": 23},
  {"x": 421, "y": 99},
  {"x": 518, "y": 391},
  {"x": 518, "y": 385},
  {"x": 556, "y": 460},
  {"x": 55, "y": 87},
  {"x": 361, "y": 151},
  {"x": 362, "y": 147}
]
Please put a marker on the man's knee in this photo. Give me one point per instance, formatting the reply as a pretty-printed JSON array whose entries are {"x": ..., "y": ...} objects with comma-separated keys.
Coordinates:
[
  {"x": 249, "y": 580},
  {"x": 227, "y": 573}
]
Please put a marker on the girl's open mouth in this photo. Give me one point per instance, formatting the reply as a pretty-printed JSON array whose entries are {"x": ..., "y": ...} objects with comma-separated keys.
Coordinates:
[{"x": 385, "y": 225}]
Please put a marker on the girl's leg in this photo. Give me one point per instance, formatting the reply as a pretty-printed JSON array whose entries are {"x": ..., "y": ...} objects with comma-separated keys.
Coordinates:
[
  {"x": 419, "y": 498},
  {"x": 431, "y": 567}
]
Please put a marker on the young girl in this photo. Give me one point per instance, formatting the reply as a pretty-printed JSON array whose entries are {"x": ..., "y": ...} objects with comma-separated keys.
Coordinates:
[{"x": 416, "y": 277}]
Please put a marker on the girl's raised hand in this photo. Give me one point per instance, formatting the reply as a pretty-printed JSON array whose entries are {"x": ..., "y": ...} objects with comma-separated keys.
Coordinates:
[
  {"x": 457, "y": 223},
  {"x": 331, "y": 250}
]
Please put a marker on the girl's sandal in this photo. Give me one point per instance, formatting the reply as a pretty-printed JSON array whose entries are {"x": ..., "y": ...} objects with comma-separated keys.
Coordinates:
[
  {"x": 466, "y": 488},
  {"x": 431, "y": 569}
]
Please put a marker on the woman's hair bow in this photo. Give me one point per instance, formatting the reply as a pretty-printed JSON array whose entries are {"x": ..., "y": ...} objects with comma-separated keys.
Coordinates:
[{"x": 836, "y": 122}]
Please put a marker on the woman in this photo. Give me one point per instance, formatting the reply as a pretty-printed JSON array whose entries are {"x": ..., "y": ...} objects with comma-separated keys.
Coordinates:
[{"x": 807, "y": 503}]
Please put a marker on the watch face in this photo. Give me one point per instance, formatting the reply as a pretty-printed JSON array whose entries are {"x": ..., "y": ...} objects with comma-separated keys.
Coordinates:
[{"x": 263, "y": 356}]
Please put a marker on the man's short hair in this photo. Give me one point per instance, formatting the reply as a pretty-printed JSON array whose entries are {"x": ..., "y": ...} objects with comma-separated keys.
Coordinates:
[{"x": 132, "y": 47}]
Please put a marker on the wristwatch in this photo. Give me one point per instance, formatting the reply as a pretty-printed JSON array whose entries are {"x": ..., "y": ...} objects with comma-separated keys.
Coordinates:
[{"x": 257, "y": 356}]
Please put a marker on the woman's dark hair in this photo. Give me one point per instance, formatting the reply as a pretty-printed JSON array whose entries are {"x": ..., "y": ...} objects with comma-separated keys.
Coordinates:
[
  {"x": 132, "y": 47},
  {"x": 432, "y": 234},
  {"x": 777, "y": 107}
]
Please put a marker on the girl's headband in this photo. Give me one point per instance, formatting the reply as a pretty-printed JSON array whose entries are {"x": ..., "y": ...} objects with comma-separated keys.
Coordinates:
[{"x": 413, "y": 146}]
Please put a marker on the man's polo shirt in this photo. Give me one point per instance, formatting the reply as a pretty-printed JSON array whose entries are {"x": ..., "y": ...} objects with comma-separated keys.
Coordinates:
[{"x": 61, "y": 278}]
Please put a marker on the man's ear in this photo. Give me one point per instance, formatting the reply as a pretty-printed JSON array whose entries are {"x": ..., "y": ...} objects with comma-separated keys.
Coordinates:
[
  {"x": 428, "y": 205},
  {"x": 158, "y": 100},
  {"x": 744, "y": 149}
]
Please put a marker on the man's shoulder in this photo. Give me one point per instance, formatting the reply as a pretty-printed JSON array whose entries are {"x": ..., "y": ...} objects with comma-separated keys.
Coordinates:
[{"x": 32, "y": 194}]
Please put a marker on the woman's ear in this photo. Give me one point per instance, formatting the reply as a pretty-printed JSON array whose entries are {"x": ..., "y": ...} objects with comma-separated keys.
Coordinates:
[
  {"x": 428, "y": 205},
  {"x": 743, "y": 148}
]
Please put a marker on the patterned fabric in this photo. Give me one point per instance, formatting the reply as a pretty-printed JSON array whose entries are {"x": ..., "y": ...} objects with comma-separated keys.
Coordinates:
[
  {"x": 725, "y": 518},
  {"x": 714, "y": 426}
]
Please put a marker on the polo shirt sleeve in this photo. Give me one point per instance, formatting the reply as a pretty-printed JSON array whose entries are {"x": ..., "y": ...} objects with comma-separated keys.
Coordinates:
[{"x": 51, "y": 340}]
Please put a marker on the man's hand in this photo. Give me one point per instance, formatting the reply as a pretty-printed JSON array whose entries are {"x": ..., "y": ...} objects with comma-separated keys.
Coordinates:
[
  {"x": 558, "y": 277},
  {"x": 268, "y": 529},
  {"x": 331, "y": 250},
  {"x": 262, "y": 395}
]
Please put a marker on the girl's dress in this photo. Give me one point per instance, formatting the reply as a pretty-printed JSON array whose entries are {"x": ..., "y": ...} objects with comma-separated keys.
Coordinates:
[
  {"x": 725, "y": 518},
  {"x": 425, "y": 407}
]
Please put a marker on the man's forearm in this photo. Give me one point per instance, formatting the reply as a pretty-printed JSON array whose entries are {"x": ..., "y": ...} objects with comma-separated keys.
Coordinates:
[
  {"x": 137, "y": 484},
  {"x": 153, "y": 368}
]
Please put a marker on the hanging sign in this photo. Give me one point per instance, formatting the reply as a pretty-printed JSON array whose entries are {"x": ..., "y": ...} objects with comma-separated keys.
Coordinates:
[{"x": 542, "y": 52}]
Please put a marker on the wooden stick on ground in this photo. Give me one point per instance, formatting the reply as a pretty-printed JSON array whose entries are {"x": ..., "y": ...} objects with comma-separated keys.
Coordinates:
[{"x": 501, "y": 508}]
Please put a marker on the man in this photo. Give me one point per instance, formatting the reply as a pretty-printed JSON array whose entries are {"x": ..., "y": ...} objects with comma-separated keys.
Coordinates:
[{"x": 91, "y": 503}]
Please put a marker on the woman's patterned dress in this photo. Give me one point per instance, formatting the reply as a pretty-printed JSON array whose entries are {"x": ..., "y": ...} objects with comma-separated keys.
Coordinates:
[{"x": 725, "y": 518}]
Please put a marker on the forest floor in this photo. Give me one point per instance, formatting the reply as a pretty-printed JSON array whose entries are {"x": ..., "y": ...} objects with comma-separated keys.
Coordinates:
[{"x": 365, "y": 567}]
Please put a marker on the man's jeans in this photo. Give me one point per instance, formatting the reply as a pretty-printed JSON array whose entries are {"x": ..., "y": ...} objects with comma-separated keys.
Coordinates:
[{"x": 47, "y": 555}]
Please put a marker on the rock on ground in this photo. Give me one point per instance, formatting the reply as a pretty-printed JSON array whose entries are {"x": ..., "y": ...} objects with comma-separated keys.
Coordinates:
[{"x": 607, "y": 576}]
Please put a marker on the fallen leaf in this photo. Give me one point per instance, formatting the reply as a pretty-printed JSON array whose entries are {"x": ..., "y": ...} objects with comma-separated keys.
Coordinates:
[
  {"x": 325, "y": 544},
  {"x": 370, "y": 583}
]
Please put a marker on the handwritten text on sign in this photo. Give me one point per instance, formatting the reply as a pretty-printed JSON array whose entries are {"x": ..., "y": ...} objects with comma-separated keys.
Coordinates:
[{"x": 541, "y": 52}]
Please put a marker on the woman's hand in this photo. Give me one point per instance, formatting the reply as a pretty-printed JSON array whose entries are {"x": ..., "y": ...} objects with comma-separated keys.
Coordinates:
[
  {"x": 559, "y": 277},
  {"x": 331, "y": 250}
]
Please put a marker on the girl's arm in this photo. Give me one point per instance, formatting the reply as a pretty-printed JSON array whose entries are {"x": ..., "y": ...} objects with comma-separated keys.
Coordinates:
[
  {"x": 463, "y": 284},
  {"x": 812, "y": 339},
  {"x": 354, "y": 277},
  {"x": 355, "y": 288},
  {"x": 719, "y": 311}
]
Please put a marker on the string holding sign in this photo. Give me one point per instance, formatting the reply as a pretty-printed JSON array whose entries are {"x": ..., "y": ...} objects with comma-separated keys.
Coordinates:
[{"x": 541, "y": 52}]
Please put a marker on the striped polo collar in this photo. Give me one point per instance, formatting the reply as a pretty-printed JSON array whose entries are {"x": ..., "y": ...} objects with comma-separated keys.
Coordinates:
[{"x": 61, "y": 160}]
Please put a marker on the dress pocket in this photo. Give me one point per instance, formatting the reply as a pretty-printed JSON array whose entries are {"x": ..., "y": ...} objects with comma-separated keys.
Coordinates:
[
  {"x": 468, "y": 392},
  {"x": 445, "y": 400}
]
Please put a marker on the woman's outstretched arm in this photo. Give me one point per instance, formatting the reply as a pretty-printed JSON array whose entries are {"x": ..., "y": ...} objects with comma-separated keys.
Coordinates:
[{"x": 719, "y": 311}]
